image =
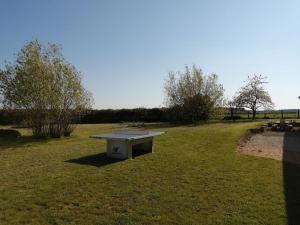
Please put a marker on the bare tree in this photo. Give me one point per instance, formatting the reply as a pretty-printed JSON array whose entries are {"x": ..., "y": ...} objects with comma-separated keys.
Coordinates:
[{"x": 253, "y": 95}]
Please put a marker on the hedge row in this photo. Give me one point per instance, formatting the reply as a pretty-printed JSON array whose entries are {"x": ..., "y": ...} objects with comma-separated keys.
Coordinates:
[
  {"x": 8, "y": 117},
  {"x": 99, "y": 116},
  {"x": 112, "y": 116},
  {"x": 125, "y": 115}
]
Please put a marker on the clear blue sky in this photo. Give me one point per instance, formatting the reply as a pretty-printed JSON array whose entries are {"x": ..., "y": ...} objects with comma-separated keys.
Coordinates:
[{"x": 125, "y": 48}]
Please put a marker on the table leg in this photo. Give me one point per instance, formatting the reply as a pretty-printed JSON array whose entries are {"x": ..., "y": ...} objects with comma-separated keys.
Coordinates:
[{"x": 129, "y": 149}]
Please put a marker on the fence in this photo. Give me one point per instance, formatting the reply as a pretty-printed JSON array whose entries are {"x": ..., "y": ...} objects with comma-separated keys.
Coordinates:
[{"x": 280, "y": 114}]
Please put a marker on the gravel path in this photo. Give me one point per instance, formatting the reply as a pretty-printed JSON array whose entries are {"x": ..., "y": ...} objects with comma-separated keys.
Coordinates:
[{"x": 276, "y": 145}]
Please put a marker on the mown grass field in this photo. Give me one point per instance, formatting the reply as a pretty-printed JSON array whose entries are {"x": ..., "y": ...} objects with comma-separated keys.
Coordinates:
[{"x": 194, "y": 177}]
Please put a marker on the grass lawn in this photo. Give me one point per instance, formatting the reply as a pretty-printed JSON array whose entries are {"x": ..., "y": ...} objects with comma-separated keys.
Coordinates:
[{"x": 195, "y": 177}]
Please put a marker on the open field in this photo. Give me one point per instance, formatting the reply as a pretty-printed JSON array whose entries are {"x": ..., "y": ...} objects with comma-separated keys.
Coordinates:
[
  {"x": 270, "y": 115},
  {"x": 195, "y": 177}
]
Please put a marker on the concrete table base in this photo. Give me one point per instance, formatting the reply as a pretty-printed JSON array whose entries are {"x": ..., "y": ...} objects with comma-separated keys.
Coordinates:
[
  {"x": 122, "y": 149},
  {"x": 122, "y": 144}
]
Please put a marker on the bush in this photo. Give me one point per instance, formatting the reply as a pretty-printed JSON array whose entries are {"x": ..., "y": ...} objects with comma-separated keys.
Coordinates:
[
  {"x": 68, "y": 129},
  {"x": 257, "y": 130},
  {"x": 9, "y": 133},
  {"x": 55, "y": 131},
  {"x": 192, "y": 96}
]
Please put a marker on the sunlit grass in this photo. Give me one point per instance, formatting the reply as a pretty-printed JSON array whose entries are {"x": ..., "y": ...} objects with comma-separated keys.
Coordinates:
[{"x": 194, "y": 177}]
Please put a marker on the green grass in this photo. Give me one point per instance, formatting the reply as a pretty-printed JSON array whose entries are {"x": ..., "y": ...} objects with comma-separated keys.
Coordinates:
[{"x": 194, "y": 177}]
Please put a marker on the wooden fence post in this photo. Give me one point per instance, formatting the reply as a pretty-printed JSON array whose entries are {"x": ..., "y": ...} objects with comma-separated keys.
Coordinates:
[{"x": 231, "y": 113}]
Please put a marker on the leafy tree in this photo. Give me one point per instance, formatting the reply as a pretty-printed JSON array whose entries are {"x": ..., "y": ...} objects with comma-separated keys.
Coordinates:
[
  {"x": 253, "y": 95},
  {"x": 192, "y": 96},
  {"x": 48, "y": 87}
]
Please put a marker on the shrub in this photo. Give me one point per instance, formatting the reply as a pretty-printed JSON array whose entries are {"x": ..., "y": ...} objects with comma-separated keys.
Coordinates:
[
  {"x": 9, "y": 133},
  {"x": 192, "y": 96},
  {"x": 68, "y": 129},
  {"x": 257, "y": 130}
]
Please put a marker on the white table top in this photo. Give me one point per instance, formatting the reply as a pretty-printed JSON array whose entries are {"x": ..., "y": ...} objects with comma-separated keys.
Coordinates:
[{"x": 128, "y": 135}]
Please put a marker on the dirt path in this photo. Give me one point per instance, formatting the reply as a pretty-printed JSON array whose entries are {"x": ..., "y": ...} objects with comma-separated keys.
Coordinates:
[{"x": 276, "y": 145}]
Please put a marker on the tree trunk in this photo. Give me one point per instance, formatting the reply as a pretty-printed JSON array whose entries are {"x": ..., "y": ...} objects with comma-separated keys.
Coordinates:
[
  {"x": 253, "y": 114},
  {"x": 231, "y": 113}
]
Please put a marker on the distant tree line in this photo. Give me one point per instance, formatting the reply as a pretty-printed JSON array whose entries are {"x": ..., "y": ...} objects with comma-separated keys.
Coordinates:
[
  {"x": 95, "y": 116},
  {"x": 147, "y": 115},
  {"x": 126, "y": 115},
  {"x": 12, "y": 117}
]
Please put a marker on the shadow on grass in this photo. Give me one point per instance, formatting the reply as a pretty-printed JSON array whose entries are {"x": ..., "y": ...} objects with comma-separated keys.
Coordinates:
[
  {"x": 138, "y": 152},
  {"x": 291, "y": 176},
  {"x": 97, "y": 160},
  {"x": 7, "y": 143},
  {"x": 101, "y": 159}
]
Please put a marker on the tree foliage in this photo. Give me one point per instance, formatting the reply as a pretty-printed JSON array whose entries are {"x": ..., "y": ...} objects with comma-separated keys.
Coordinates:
[
  {"x": 253, "y": 95},
  {"x": 192, "y": 95},
  {"x": 48, "y": 87}
]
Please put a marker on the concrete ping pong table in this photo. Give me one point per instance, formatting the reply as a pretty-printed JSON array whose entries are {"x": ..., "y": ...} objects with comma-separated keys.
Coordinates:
[{"x": 120, "y": 144}]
